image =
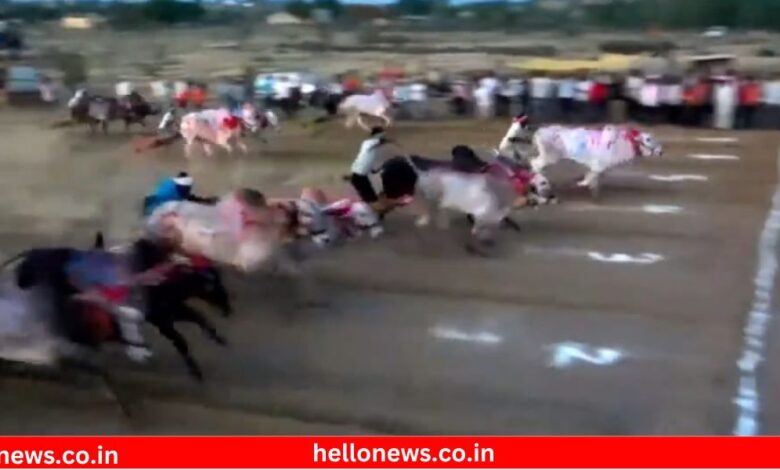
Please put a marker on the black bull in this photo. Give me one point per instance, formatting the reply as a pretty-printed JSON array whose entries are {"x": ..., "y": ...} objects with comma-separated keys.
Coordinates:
[
  {"x": 101, "y": 110},
  {"x": 165, "y": 303}
]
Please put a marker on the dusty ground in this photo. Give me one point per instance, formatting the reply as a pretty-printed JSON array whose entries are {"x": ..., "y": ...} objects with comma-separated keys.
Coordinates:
[
  {"x": 418, "y": 336},
  {"x": 206, "y": 52}
]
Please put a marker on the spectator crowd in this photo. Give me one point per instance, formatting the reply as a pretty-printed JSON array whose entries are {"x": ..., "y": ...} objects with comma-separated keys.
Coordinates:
[{"x": 725, "y": 101}]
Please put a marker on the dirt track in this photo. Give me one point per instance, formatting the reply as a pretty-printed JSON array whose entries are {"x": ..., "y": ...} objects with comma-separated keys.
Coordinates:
[{"x": 555, "y": 335}]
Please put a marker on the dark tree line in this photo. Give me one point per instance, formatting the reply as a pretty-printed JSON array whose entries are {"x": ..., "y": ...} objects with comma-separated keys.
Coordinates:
[
  {"x": 617, "y": 14},
  {"x": 685, "y": 14}
]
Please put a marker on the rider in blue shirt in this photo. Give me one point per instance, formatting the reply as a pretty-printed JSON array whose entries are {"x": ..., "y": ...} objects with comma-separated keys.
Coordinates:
[{"x": 178, "y": 188}]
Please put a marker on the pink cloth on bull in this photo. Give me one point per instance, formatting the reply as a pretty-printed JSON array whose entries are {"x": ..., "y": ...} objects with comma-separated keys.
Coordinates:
[{"x": 521, "y": 182}]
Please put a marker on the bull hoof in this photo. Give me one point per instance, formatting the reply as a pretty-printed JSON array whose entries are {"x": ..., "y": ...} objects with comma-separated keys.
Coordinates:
[
  {"x": 423, "y": 221},
  {"x": 477, "y": 249},
  {"x": 196, "y": 373},
  {"x": 512, "y": 224}
]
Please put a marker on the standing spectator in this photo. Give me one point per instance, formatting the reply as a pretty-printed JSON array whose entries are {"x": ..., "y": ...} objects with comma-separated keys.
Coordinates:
[
  {"x": 515, "y": 89},
  {"x": 352, "y": 85},
  {"x": 582, "y": 99},
  {"x": 726, "y": 97},
  {"x": 490, "y": 82},
  {"x": 283, "y": 95},
  {"x": 461, "y": 98},
  {"x": 46, "y": 88},
  {"x": 650, "y": 100},
  {"x": 749, "y": 100},
  {"x": 698, "y": 93},
  {"x": 566, "y": 89},
  {"x": 541, "y": 94},
  {"x": 334, "y": 95},
  {"x": 631, "y": 93},
  {"x": 484, "y": 97},
  {"x": 770, "y": 96},
  {"x": 671, "y": 92},
  {"x": 502, "y": 99},
  {"x": 599, "y": 92},
  {"x": 402, "y": 98},
  {"x": 418, "y": 100},
  {"x": 691, "y": 108},
  {"x": 525, "y": 97}
]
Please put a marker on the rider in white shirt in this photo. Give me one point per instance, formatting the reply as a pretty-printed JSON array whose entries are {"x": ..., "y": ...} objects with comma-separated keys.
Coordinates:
[
  {"x": 364, "y": 165},
  {"x": 367, "y": 162}
]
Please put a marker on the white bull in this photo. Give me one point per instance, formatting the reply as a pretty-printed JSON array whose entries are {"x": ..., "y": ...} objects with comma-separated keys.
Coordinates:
[
  {"x": 354, "y": 107},
  {"x": 487, "y": 196},
  {"x": 241, "y": 230},
  {"x": 599, "y": 150},
  {"x": 220, "y": 127}
]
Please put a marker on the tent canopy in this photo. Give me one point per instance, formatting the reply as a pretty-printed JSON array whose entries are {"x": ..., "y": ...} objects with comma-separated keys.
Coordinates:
[{"x": 605, "y": 63}]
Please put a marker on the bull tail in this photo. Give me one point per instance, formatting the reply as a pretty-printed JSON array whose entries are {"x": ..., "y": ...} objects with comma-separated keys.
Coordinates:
[
  {"x": 148, "y": 143},
  {"x": 317, "y": 122},
  {"x": 63, "y": 123},
  {"x": 14, "y": 259}
]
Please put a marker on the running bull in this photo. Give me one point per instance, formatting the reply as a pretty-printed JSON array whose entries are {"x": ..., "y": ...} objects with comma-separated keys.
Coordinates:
[
  {"x": 599, "y": 150},
  {"x": 486, "y": 192}
]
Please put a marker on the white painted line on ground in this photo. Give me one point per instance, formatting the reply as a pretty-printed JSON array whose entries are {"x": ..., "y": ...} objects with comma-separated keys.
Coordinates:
[
  {"x": 678, "y": 178},
  {"x": 646, "y": 208},
  {"x": 707, "y": 156},
  {"x": 748, "y": 398},
  {"x": 454, "y": 334},
  {"x": 622, "y": 258},
  {"x": 661, "y": 209},
  {"x": 718, "y": 140},
  {"x": 608, "y": 258},
  {"x": 567, "y": 354}
]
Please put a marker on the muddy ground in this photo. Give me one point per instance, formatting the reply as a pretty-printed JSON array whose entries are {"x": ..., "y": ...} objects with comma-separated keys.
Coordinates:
[{"x": 621, "y": 317}]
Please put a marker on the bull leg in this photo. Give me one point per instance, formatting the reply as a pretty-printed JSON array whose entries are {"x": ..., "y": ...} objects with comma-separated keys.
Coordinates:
[
  {"x": 442, "y": 220},
  {"x": 544, "y": 158},
  {"x": 242, "y": 146},
  {"x": 388, "y": 121},
  {"x": 480, "y": 238},
  {"x": 362, "y": 123},
  {"x": 167, "y": 330},
  {"x": 350, "y": 121},
  {"x": 424, "y": 219},
  {"x": 188, "y": 147},
  {"x": 191, "y": 315},
  {"x": 429, "y": 206},
  {"x": 208, "y": 149},
  {"x": 106, "y": 380},
  {"x": 104, "y": 125},
  {"x": 226, "y": 145},
  {"x": 591, "y": 181}
]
